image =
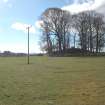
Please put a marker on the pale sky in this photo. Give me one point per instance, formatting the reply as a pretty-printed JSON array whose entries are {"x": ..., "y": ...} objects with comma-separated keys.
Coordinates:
[{"x": 16, "y": 15}]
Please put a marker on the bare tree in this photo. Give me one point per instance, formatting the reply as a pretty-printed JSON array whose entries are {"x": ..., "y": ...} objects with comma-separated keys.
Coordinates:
[
  {"x": 82, "y": 27},
  {"x": 99, "y": 26},
  {"x": 57, "y": 24},
  {"x": 90, "y": 26}
]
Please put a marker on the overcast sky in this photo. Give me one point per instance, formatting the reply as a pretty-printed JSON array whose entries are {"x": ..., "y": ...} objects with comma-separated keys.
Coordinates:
[{"x": 16, "y": 15}]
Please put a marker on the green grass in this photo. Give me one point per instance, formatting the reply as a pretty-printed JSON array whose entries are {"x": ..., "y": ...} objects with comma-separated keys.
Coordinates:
[{"x": 52, "y": 81}]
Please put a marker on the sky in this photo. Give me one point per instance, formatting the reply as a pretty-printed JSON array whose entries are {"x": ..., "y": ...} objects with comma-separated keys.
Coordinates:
[{"x": 16, "y": 15}]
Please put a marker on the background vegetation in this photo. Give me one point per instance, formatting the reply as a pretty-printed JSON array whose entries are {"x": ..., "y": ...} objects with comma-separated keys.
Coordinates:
[{"x": 62, "y": 31}]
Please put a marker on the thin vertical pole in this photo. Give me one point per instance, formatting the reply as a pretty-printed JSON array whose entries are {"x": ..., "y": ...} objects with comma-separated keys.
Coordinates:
[
  {"x": 28, "y": 60},
  {"x": 28, "y": 46}
]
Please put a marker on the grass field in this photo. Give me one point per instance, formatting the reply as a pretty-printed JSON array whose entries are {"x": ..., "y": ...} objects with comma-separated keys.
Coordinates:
[{"x": 52, "y": 81}]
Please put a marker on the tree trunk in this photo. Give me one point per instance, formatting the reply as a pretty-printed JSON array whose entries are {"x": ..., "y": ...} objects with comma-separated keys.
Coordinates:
[
  {"x": 97, "y": 44},
  {"x": 74, "y": 40}
]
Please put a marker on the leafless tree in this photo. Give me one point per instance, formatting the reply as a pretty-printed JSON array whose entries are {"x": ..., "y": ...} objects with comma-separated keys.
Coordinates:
[
  {"x": 99, "y": 26},
  {"x": 57, "y": 24}
]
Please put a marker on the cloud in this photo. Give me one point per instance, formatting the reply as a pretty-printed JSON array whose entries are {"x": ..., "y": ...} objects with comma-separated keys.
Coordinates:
[
  {"x": 22, "y": 47},
  {"x": 38, "y": 24},
  {"x": 19, "y": 47},
  {"x": 84, "y": 5},
  {"x": 5, "y": 1},
  {"x": 2, "y": 2},
  {"x": 23, "y": 27},
  {"x": 6, "y": 4}
]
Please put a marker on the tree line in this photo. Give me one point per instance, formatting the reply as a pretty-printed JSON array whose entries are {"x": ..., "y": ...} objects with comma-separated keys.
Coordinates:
[{"x": 62, "y": 30}]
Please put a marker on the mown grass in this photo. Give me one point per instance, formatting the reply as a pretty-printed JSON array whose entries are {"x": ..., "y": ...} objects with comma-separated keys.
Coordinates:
[{"x": 52, "y": 81}]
